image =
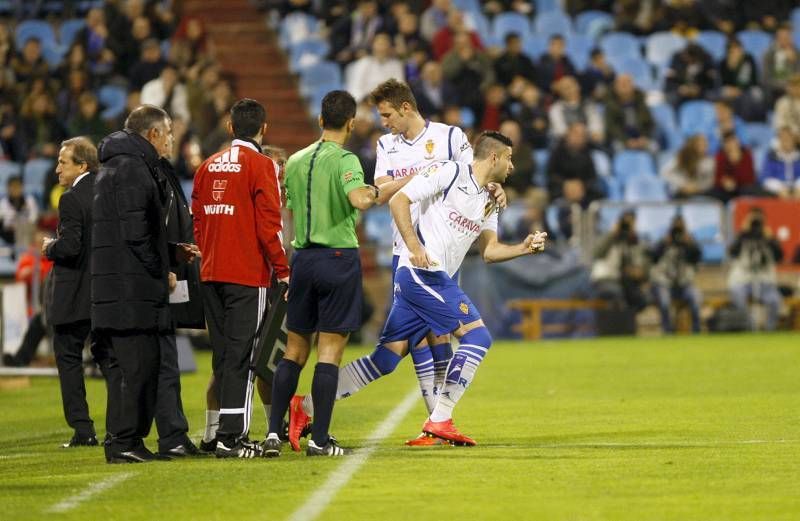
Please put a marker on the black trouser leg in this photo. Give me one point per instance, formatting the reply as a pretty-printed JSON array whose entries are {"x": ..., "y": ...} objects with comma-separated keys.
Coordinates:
[
  {"x": 30, "y": 342},
  {"x": 68, "y": 342},
  {"x": 170, "y": 420},
  {"x": 132, "y": 410},
  {"x": 104, "y": 357}
]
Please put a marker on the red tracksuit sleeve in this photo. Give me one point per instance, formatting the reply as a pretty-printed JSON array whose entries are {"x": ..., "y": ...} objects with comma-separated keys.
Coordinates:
[
  {"x": 269, "y": 227},
  {"x": 196, "y": 210}
]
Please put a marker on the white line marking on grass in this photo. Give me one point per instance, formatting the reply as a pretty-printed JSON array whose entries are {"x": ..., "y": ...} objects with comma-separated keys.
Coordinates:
[
  {"x": 323, "y": 496},
  {"x": 87, "y": 493},
  {"x": 655, "y": 444}
]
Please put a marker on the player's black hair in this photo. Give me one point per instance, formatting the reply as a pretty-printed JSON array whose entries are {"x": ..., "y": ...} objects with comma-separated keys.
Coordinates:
[
  {"x": 338, "y": 107},
  {"x": 490, "y": 141},
  {"x": 247, "y": 118}
]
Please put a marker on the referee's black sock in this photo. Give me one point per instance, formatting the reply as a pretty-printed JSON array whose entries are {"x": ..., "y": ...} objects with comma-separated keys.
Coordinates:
[
  {"x": 323, "y": 392},
  {"x": 284, "y": 385}
]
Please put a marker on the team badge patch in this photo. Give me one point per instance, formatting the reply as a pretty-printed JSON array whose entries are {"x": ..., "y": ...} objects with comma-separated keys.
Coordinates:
[
  {"x": 464, "y": 308},
  {"x": 348, "y": 177},
  {"x": 429, "y": 149}
]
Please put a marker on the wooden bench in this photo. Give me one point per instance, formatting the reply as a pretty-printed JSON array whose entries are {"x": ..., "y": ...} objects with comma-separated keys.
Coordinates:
[{"x": 531, "y": 309}]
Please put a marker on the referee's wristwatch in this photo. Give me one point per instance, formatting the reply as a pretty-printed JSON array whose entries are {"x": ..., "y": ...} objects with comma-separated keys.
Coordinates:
[{"x": 375, "y": 191}]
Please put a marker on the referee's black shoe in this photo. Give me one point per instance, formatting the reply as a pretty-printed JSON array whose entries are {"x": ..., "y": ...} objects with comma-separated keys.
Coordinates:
[
  {"x": 239, "y": 449},
  {"x": 81, "y": 441},
  {"x": 187, "y": 448},
  {"x": 272, "y": 446},
  {"x": 331, "y": 448},
  {"x": 209, "y": 447},
  {"x": 138, "y": 455}
]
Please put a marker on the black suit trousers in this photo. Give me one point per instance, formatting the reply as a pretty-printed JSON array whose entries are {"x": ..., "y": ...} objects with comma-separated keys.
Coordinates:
[{"x": 171, "y": 422}]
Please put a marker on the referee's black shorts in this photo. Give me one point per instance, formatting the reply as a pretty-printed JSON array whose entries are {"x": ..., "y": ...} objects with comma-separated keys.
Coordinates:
[{"x": 325, "y": 292}]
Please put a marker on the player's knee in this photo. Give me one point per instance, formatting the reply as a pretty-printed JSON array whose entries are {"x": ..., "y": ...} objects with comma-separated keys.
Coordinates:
[
  {"x": 385, "y": 360},
  {"x": 479, "y": 336}
]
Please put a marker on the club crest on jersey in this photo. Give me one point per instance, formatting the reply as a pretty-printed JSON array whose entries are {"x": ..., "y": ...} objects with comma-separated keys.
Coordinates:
[
  {"x": 348, "y": 177},
  {"x": 464, "y": 308},
  {"x": 429, "y": 145},
  {"x": 218, "y": 189}
]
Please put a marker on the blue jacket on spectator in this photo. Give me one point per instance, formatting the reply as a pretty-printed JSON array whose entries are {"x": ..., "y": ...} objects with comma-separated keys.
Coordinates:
[{"x": 781, "y": 171}]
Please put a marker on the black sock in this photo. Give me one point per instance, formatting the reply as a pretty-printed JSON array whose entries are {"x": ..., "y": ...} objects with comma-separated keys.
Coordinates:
[
  {"x": 284, "y": 385},
  {"x": 323, "y": 392}
]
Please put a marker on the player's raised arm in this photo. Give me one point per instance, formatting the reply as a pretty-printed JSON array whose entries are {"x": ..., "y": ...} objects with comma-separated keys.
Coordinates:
[{"x": 493, "y": 250}]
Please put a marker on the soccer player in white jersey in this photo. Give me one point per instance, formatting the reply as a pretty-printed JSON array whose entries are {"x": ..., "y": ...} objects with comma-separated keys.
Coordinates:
[
  {"x": 411, "y": 145},
  {"x": 454, "y": 209}
]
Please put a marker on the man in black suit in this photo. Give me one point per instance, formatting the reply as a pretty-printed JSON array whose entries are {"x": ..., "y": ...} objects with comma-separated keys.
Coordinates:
[
  {"x": 131, "y": 277},
  {"x": 68, "y": 309}
]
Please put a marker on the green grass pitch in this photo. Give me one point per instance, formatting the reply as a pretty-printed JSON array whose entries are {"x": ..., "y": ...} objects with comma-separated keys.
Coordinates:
[{"x": 677, "y": 428}]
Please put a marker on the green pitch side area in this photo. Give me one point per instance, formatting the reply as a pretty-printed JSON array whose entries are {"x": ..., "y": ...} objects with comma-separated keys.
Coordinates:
[{"x": 677, "y": 428}]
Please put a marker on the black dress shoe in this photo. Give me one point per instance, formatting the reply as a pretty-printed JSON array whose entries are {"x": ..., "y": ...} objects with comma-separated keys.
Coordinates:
[
  {"x": 138, "y": 455},
  {"x": 81, "y": 441},
  {"x": 187, "y": 448}
]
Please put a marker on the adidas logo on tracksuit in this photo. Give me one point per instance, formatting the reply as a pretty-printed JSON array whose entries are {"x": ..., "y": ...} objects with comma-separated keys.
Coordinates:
[{"x": 227, "y": 162}]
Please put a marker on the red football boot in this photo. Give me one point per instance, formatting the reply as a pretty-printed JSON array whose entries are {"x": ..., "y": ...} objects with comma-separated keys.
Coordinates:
[
  {"x": 426, "y": 440},
  {"x": 447, "y": 431},
  {"x": 298, "y": 420}
]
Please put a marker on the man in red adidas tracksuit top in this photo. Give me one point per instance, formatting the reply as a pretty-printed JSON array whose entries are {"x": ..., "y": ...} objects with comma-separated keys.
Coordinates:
[{"x": 236, "y": 205}]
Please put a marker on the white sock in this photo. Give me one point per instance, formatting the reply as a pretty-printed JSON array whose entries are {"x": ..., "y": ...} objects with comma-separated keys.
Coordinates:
[
  {"x": 460, "y": 374},
  {"x": 424, "y": 368},
  {"x": 212, "y": 424},
  {"x": 308, "y": 403},
  {"x": 267, "y": 410}
]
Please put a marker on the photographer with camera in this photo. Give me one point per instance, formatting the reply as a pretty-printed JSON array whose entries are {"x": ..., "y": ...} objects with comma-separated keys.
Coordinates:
[
  {"x": 621, "y": 266},
  {"x": 752, "y": 277},
  {"x": 675, "y": 260}
]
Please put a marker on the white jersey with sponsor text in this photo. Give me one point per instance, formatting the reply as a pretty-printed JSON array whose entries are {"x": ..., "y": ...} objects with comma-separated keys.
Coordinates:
[
  {"x": 453, "y": 211},
  {"x": 398, "y": 158}
]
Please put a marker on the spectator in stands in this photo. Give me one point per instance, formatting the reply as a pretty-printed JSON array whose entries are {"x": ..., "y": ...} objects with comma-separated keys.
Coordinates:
[
  {"x": 12, "y": 146},
  {"x": 18, "y": 212},
  {"x": 738, "y": 77},
  {"x": 727, "y": 122},
  {"x": 167, "y": 92},
  {"x": 597, "y": 79},
  {"x": 533, "y": 218},
  {"x": 494, "y": 109},
  {"x": 25, "y": 273},
  {"x": 682, "y": 17},
  {"x": 104, "y": 49},
  {"x": 691, "y": 75},
  {"x": 629, "y": 124},
  {"x": 675, "y": 258},
  {"x": 41, "y": 131},
  {"x": 469, "y": 71},
  {"x": 495, "y": 7},
  {"x": 752, "y": 277},
  {"x": 444, "y": 39},
  {"x": 571, "y": 175},
  {"x": 407, "y": 40},
  {"x": 368, "y": 72},
  {"x": 199, "y": 96},
  {"x": 781, "y": 62},
  {"x": 192, "y": 32},
  {"x": 571, "y": 108},
  {"x": 75, "y": 60},
  {"x": 635, "y": 16},
  {"x": 148, "y": 67},
  {"x": 29, "y": 64},
  {"x": 431, "y": 91},
  {"x": 352, "y": 35},
  {"x": 532, "y": 117},
  {"x": 6, "y": 45},
  {"x": 434, "y": 18},
  {"x": 555, "y": 64},
  {"x": 621, "y": 266},
  {"x": 734, "y": 173},
  {"x": 87, "y": 122},
  {"x": 690, "y": 172},
  {"x": 787, "y": 109},
  {"x": 780, "y": 175},
  {"x": 521, "y": 157},
  {"x": 513, "y": 63},
  {"x": 67, "y": 101}
]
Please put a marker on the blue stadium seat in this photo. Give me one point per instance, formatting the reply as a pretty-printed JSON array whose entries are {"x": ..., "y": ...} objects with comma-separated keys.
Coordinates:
[
  {"x": 652, "y": 221},
  {"x": 296, "y": 27},
  {"x": 544, "y": 6},
  {"x": 612, "y": 188},
  {"x": 540, "y": 156},
  {"x": 758, "y": 134},
  {"x": 632, "y": 163},
  {"x": 509, "y": 218},
  {"x": 307, "y": 52},
  {"x": 187, "y": 185},
  {"x": 796, "y": 18},
  {"x": 664, "y": 157},
  {"x": 534, "y": 46},
  {"x": 664, "y": 116},
  {"x": 759, "y": 156},
  {"x": 645, "y": 188},
  {"x": 607, "y": 217},
  {"x": 8, "y": 169},
  {"x": 480, "y": 24},
  {"x": 552, "y": 22},
  {"x": 585, "y": 20},
  {"x": 579, "y": 49},
  {"x": 755, "y": 42},
  {"x": 705, "y": 222},
  {"x": 322, "y": 73},
  {"x": 697, "y": 117},
  {"x": 34, "y": 29},
  {"x": 114, "y": 99},
  {"x": 602, "y": 164},
  {"x": 714, "y": 42},
  {"x": 467, "y": 117},
  {"x": 35, "y": 172},
  {"x": 662, "y": 46},
  {"x": 469, "y": 6},
  {"x": 506, "y": 23},
  {"x": 53, "y": 54},
  {"x": 376, "y": 222},
  {"x": 619, "y": 45},
  {"x": 641, "y": 71},
  {"x": 69, "y": 30}
]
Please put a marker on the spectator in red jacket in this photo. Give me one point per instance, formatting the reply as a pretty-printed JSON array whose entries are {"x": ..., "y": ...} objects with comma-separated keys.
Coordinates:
[
  {"x": 734, "y": 173},
  {"x": 443, "y": 40}
]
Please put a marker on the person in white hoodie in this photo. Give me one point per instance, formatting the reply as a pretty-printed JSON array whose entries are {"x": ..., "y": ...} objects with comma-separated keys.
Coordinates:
[{"x": 368, "y": 72}]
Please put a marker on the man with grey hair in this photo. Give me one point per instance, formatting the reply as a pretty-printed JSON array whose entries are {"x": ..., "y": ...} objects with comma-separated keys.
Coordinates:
[{"x": 131, "y": 280}]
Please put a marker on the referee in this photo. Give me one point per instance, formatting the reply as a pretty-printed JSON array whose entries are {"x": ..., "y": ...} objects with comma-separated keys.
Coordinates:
[{"x": 324, "y": 190}]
